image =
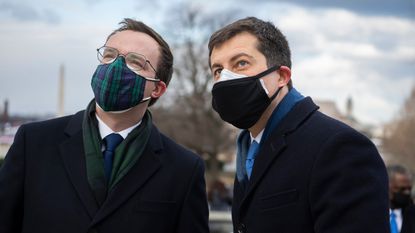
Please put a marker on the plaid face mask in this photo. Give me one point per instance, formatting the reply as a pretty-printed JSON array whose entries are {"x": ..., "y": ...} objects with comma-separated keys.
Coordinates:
[{"x": 116, "y": 87}]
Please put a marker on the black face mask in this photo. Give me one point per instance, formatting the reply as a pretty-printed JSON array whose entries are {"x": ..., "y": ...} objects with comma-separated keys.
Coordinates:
[
  {"x": 242, "y": 101},
  {"x": 400, "y": 200}
]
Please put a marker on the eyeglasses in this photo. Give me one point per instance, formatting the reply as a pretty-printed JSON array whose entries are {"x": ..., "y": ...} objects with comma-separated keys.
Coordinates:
[{"x": 136, "y": 62}]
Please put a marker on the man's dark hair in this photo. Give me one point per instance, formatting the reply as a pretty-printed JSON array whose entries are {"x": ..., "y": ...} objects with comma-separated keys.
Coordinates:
[
  {"x": 397, "y": 169},
  {"x": 164, "y": 69},
  {"x": 271, "y": 42}
]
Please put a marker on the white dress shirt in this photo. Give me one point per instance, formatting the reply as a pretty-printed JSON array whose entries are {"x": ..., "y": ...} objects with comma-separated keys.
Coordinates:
[
  {"x": 105, "y": 130},
  {"x": 398, "y": 214},
  {"x": 258, "y": 137}
]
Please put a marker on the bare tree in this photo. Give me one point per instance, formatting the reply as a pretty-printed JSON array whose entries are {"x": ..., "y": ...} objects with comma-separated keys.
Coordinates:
[
  {"x": 189, "y": 118},
  {"x": 400, "y": 135}
]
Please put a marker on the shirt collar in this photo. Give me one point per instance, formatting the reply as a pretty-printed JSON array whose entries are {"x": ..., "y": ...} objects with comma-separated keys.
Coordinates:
[
  {"x": 258, "y": 137},
  {"x": 397, "y": 212},
  {"x": 105, "y": 130}
]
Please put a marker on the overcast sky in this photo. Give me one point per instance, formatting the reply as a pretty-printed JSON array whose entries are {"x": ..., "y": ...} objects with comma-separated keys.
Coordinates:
[{"x": 363, "y": 49}]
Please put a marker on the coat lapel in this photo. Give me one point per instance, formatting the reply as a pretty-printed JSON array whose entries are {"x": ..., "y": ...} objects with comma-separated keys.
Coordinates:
[
  {"x": 73, "y": 156},
  {"x": 146, "y": 166},
  {"x": 275, "y": 145},
  {"x": 268, "y": 153}
]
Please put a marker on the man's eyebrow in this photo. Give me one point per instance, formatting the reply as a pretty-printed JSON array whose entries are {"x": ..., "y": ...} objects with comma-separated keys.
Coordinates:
[
  {"x": 215, "y": 65},
  {"x": 238, "y": 55},
  {"x": 233, "y": 58}
]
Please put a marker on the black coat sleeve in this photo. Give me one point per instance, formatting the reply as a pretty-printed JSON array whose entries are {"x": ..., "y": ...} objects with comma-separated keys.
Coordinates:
[
  {"x": 349, "y": 186},
  {"x": 408, "y": 222},
  {"x": 194, "y": 213},
  {"x": 12, "y": 175}
]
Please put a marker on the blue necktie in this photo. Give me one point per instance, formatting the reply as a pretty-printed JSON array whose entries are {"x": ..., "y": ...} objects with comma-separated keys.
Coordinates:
[
  {"x": 250, "y": 158},
  {"x": 393, "y": 224},
  {"x": 111, "y": 142}
]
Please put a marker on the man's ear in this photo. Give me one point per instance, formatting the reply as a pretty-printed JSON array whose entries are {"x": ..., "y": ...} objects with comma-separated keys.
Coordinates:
[
  {"x": 159, "y": 90},
  {"x": 285, "y": 75}
]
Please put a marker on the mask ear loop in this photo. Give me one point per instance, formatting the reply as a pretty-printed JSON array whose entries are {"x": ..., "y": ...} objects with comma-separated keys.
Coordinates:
[
  {"x": 151, "y": 80},
  {"x": 138, "y": 73},
  {"x": 275, "y": 94},
  {"x": 145, "y": 99},
  {"x": 146, "y": 78},
  {"x": 266, "y": 72}
]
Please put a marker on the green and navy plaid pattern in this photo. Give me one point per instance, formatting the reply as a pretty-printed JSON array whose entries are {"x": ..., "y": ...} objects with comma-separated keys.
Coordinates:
[{"x": 116, "y": 87}]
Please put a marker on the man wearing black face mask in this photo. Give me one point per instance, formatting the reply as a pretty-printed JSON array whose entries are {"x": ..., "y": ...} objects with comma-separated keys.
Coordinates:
[
  {"x": 297, "y": 169},
  {"x": 402, "y": 209},
  {"x": 107, "y": 169}
]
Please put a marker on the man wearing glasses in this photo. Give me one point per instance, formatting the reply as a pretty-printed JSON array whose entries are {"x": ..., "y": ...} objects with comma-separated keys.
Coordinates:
[{"x": 108, "y": 168}]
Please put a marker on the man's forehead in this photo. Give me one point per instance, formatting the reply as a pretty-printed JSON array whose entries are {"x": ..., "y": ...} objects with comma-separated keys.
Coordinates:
[
  {"x": 402, "y": 179},
  {"x": 242, "y": 42},
  {"x": 137, "y": 42},
  {"x": 231, "y": 54}
]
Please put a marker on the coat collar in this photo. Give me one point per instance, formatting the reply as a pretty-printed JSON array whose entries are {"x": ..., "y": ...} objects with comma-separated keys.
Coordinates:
[
  {"x": 274, "y": 145},
  {"x": 73, "y": 156},
  {"x": 146, "y": 166}
]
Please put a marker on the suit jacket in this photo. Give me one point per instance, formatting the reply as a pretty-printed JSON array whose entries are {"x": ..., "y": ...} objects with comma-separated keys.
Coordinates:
[
  {"x": 313, "y": 174},
  {"x": 44, "y": 186},
  {"x": 408, "y": 220}
]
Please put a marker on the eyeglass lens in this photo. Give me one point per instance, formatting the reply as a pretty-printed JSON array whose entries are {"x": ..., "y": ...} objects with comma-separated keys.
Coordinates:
[{"x": 108, "y": 55}]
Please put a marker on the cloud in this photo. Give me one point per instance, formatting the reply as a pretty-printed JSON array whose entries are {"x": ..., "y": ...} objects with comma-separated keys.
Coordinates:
[
  {"x": 338, "y": 53},
  {"x": 24, "y": 12},
  {"x": 400, "y": 8},
  {"x": 31, "y": 64}
]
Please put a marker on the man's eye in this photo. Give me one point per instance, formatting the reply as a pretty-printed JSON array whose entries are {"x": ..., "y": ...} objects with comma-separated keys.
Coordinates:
[
  {"x": 216, "y": 72},
  {"x": 242, "y": 63},
  {"x": 137, "y": 64},
  {"x": 108, "y": 56}
]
